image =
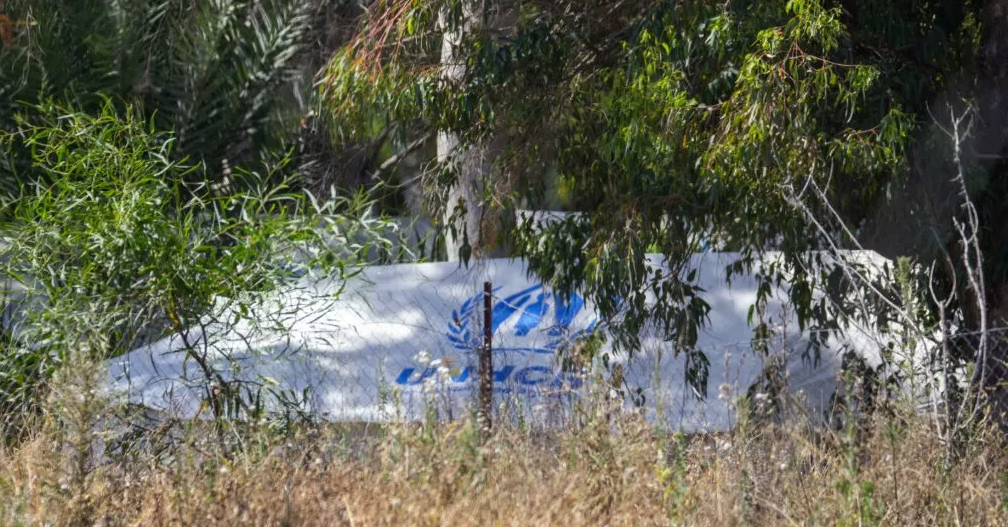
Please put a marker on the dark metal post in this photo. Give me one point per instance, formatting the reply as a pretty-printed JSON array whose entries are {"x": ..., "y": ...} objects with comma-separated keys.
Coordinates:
[{"x": 486, "y": 364}]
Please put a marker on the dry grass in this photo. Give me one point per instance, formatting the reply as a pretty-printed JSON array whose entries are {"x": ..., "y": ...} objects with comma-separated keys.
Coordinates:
[{"x": 603, "y": 473}]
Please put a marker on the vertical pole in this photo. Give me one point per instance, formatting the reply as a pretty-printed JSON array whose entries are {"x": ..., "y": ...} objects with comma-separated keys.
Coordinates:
[{"x": 486, "y": 364}]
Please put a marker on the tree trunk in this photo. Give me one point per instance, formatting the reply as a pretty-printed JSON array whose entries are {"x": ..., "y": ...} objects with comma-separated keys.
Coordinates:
[
  {"x": 992, "y": 203},
  {"x": 464, "y": 207},
  {"x": 924, "y": 205}
]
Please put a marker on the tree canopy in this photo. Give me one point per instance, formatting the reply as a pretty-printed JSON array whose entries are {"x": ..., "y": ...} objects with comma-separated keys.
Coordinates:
[{"x": 668, "y": 122}]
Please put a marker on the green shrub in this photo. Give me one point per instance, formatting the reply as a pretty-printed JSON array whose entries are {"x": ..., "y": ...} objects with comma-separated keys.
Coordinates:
[{"x": 113, "y": 247}]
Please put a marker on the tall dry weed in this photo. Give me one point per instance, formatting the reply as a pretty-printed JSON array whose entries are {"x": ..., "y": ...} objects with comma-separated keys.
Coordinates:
[{"x": 611, "y": 469}]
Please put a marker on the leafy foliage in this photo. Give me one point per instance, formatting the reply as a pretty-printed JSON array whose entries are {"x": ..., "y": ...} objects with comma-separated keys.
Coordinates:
[
  {"x": 224, "y": 75},
  {"x": 114, "y": 246},
  {"x": 666, "y": 123}
]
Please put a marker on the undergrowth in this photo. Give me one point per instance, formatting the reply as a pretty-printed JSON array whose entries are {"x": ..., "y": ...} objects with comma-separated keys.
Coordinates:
[{"x": 608, "y": 470}]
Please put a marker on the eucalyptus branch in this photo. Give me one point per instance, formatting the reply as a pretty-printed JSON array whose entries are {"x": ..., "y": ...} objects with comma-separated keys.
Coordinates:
[{"x": 393, "y": 162}]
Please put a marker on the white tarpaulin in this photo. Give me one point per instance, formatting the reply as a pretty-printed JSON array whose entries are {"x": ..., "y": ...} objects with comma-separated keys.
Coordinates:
[{"x": 401, "y": 337}]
